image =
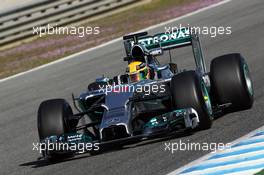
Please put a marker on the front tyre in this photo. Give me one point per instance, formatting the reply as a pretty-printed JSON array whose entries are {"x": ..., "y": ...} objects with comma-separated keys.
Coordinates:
[
  {"x": 54, "y": 120},
  {"x": 188, "y": 90},
  {"x": 231, "y": 82}
]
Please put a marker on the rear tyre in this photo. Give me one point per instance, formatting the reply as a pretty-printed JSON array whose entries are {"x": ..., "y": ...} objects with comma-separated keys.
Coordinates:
[
  {"x": 54, "y": 119},
  {"x": 188, "y": 90},
  {"x": 231, "y": 82}
]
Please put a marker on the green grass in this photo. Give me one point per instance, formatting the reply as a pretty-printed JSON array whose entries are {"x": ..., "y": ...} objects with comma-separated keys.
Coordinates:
[{"x": 260, "y": 173}]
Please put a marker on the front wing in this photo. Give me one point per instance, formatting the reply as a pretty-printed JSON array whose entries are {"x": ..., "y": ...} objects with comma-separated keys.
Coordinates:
[{"x": 159, "y": 126}]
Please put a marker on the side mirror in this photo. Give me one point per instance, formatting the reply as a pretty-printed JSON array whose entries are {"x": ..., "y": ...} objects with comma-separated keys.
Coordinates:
[{"x": 173, "y": 67}]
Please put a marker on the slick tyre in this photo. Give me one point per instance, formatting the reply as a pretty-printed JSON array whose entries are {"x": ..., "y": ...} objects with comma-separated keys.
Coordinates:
[
  {"x": 188, "y": 90},
  {"x": 231, "y": 82},
  {"x": 53, "y": 119}
]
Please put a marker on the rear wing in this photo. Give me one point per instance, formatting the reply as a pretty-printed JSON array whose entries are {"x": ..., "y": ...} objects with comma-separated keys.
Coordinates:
[
  {"x": 155, "y": 45},
  {"x": 164, "y": 41}
]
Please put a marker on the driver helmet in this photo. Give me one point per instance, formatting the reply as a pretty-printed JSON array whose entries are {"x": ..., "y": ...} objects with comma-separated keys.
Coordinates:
[{"x": 138, "y": 71}]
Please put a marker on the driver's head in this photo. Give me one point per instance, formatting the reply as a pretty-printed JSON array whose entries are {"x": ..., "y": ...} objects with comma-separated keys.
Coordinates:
[{"x": 138, "y": 71}]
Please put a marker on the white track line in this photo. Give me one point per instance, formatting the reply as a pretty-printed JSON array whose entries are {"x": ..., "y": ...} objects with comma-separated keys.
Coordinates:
[
  {"x": 248, "y": 172},
  {"x": 196, "y": 162},
  {"x": 225, "y": 167},
  {"x": 113, "y": 41},
  {"x": 235, "y": 157}
]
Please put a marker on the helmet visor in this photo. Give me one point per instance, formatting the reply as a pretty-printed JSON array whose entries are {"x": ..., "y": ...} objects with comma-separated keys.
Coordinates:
[{"x": 137, "y": 76}]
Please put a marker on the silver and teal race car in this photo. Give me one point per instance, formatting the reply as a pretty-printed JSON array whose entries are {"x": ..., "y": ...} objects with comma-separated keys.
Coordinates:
[{"x": 119, "y": 111}]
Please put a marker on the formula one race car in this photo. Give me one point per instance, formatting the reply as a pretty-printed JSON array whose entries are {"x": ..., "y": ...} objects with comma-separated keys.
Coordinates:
[{"x": 149, "y": 100}]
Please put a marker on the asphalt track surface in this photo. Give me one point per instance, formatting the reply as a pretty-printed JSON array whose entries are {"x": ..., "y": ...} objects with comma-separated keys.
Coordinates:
[{"x": 21, "y": 96}]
